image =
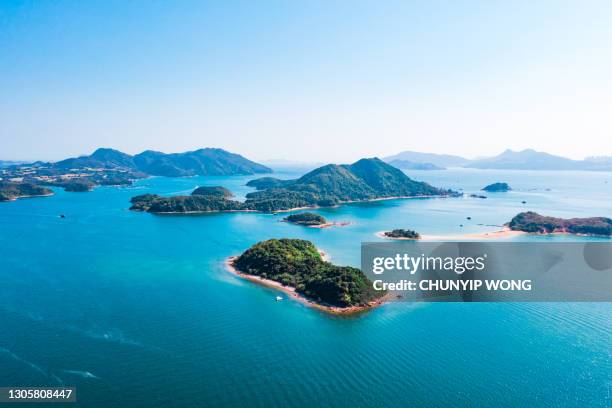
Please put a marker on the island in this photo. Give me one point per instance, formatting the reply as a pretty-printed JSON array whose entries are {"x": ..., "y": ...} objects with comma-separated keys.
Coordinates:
[
  {"x": 365, "y": 180},
  {"x": 478, "y": 196},
  {"x": 201, "y": 200},
  {"x": 10, "y": 191},
  {"x": 296, "y": 267},
  {"x": 110, "y": 167},
  {"x": 326, "y": 186},
  {"x": 307, "y": 219},
  {"x": 497, "y": 188},
  {"x": 402, "y": 234},
  {"x": 533, "y": 222}
]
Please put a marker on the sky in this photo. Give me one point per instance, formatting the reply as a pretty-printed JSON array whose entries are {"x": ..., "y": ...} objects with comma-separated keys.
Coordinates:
[{"x": 312, "y": 81}]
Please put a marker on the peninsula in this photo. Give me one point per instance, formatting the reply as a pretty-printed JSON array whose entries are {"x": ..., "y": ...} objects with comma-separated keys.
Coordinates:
[
  {"x": 12, "y": 191},
  {"x": 296, "y": 267}
]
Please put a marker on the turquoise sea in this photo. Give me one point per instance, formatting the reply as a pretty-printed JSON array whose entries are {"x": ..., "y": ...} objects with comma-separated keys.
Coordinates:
[{"x": 137, "y": 310}]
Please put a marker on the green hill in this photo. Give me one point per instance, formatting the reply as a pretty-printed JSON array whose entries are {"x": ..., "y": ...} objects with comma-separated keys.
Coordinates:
[
  {"x": 332, "y": 184},
  {"x": 11, "y": 191},
  {"x": 298, "y": 264},
  {"x": 206, "y": 162},
  {"x": 536, "y": 223},
  {"x": 328, "y": 185},
  {"x": 212, "y": 162}
]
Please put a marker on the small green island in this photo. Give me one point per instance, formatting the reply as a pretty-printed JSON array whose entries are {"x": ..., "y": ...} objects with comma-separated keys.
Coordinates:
[
  {"x": 497, "y": 188},
  {"x": 296, "y": 266},
  {"x": 533, "y": 222},
  {"x": 201, "y": 200},
  {"x": 10, "y": 191},
  {"x": 307, "y": 219},
  {"x": 402, "y": 234},
  {"x": 330, "y": 185}
]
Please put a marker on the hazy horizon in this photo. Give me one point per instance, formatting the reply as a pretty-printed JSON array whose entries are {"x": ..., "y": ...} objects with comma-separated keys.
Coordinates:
[
  {"x": 309, "y": 82},
  {"x": 280, "y": 161}
]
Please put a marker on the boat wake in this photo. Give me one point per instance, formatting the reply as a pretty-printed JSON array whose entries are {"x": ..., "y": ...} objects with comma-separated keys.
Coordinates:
[
  {"x": 83, "y": 374},
  {"x": 31, "y": 365}
]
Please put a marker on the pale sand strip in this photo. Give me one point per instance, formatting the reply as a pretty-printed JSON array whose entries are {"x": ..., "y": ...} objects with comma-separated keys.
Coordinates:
[
  {"x": 505, "y": 233},
  {"x": 290, "y": 291}
]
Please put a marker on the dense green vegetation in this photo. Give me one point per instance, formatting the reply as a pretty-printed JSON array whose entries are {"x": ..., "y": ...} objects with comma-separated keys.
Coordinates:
[
  {"x": 213, "y": 191},
  {"x": 534, "y": 222},
  {"x": 199, "y": 162},
  {"x": 497, "y": 188},
  {"x": 297, "y": 263},
  {"x": 329, "y": 185},
  {"x": 183, "y": 204},
  {"x": 403, "y": 233},
  {"x": 214, "y": 162},
  {"x": 333, "y": 184},
  {"x": 264, "y": 183},
  {"x": 306, "y": 218},
  {"x": 11, "y": 191}
]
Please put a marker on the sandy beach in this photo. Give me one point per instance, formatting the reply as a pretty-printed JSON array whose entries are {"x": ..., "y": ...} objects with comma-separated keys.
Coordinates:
[
  {"x": 29, "y": 196},
  {"x": 505, "y": 233},
  {"x": 330, "y": 224},
  {"x": 290, "y": 291}
]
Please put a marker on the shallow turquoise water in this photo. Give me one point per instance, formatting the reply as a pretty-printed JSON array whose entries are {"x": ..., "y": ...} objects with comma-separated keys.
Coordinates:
[{"x": 137, "y": 310}]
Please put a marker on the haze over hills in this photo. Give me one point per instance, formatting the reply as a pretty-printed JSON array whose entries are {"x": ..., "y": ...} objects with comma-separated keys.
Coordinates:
[
  {"x": 440, "y": 160},
  {"x": 6, "y": 163},
  {"x": 527, "y": 159},
  {"x": 208, "y": 161},
  {"x": 410, "y": 165}
]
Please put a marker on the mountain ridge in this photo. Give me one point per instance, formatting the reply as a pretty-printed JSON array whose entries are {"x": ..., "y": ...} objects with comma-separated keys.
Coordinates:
[
  {"x": 205, "y": 161},
  {"x": 526, "y": 159}
]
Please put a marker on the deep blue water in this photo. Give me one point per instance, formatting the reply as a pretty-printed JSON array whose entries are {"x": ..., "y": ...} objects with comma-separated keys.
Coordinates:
[{"x": 137, "y": 310}]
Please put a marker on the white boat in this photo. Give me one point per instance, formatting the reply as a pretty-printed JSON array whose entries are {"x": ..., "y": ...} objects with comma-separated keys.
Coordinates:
[{"x": 279, "y": 298}]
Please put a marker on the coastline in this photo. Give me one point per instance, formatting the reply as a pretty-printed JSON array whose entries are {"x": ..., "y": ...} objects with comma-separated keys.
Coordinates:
[
  {"x": 381, "y": 234},
  {"x": 320, "y": 226},
  {"x": 504, "y": 233},
  {"x": 300, "y": 208},
  {"x": 291, "y": 292},
  {"x": 27, "y": 196},
  {"x": 330, "y": 224}
]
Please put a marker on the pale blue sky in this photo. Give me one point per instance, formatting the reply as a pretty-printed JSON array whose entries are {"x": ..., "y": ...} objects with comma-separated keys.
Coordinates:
[{"x": 305, "y": 80}]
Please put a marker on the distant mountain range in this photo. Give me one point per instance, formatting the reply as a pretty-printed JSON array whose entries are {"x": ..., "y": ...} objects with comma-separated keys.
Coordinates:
[
  {"x": 439, "y": 160},
  {"x": 209, "y": 161},
  {"x": 410, "y": 165},
  {"x": 528, "y": 159},
  {"x": 7, "y": 163}
]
